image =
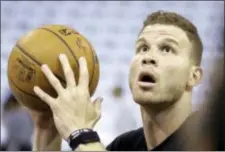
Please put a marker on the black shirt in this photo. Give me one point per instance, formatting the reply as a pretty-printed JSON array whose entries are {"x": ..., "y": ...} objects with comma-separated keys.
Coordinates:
[{"x": 185, "y": 138}]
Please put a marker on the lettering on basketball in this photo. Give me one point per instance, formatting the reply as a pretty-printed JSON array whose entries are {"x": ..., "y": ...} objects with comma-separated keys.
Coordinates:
[
  {"x": 67, "y": 32},
  {"x": 26, "y": 73}
]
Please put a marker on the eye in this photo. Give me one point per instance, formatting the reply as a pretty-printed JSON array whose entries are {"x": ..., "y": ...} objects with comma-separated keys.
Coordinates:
[
  {"x": 142, "y": 48},
  {"x": 166, "y": 49}
]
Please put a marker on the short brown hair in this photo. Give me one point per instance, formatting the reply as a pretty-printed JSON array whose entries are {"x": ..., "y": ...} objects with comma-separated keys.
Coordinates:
[{"x": 171, "y": 18}]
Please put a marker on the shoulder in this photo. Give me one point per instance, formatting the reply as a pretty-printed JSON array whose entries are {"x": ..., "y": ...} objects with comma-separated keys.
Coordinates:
[{"x": 132, "y": 140}]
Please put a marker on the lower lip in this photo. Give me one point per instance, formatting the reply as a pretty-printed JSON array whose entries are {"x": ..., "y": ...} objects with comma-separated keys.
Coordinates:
[{"x": 146, "y": 85}]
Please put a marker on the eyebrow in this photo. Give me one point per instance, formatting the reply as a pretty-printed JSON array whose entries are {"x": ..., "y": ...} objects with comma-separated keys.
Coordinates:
[
  {"x": 171, "y": 41},
  {"x": 141, "y": 39}
]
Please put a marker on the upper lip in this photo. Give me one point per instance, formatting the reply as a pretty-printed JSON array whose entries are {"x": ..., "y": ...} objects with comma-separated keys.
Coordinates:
[{"x": 147, "y": 76}]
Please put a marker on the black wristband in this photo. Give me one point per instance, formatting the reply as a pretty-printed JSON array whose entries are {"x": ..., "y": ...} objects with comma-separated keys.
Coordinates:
[{"x": 82, "y": 136}]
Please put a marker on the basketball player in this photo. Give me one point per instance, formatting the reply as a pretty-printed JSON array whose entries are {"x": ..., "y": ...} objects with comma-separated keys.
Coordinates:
[{"x": 163, "y": 73}]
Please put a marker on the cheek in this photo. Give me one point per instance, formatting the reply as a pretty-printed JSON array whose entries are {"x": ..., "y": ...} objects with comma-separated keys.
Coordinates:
[
  {"x": 133, "y": 70},
  {"x": 174, "y": 61},
  {"x": 176, "y": 70}
]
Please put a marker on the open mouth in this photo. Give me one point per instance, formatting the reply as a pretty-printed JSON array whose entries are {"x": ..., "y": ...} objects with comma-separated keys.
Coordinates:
[{"x": 147, "y": 78}]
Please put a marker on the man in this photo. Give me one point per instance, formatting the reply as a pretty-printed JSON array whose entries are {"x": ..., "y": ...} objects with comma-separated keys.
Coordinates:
[{"x": 163, "y": 72}]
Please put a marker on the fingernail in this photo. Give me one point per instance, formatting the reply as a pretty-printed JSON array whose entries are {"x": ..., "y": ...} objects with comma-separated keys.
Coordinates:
[
  {"x": 35, "y": 88},
  {"x": 101, "y": 99},
  {"x": 44, "y": 66},
  {"x": 81, "y": 59},
  {"x": 62, "y": 55}
]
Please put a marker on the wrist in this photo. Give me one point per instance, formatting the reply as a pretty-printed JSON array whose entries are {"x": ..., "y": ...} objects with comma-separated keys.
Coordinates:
[
  {"x": 46, "y": 139},
  {"x": 82, "y": 136},
  {"x": 95, "y": 146},
  {"x": 66, "y": 133}
]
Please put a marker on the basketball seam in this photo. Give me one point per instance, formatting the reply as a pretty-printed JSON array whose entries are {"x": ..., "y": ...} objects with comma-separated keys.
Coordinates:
[
  {"x": 71, "y": 51},
  {"x": 93, "y": 66},
  {"x": 22, "y": 90},
  {"x": 25, "y": 53},
  {"x": 64, "y": 42},
  {"x": 22, "y": 50}
]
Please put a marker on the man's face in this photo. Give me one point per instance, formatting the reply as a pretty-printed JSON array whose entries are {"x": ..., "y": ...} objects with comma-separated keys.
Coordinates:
[{"x": 160, "y": 69}]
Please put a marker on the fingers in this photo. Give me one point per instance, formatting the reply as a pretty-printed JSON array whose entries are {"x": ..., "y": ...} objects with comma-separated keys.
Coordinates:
[
  {"x": 98, "y": 102},
  {"x": 68, "y": 72},
  {"x": 84, "y": 75},
  {"x": 52, "y": 79},
  {"x": 43, "y": 96}
]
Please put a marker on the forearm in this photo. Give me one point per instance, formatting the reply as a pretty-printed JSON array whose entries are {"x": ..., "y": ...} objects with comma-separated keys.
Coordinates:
[
  {"x": 46, "y": 139},
  {"x": 97, "y": 146}
]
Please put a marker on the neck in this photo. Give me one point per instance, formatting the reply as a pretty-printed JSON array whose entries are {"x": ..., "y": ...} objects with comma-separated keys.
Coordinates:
[{"x": 160, "y": 123}]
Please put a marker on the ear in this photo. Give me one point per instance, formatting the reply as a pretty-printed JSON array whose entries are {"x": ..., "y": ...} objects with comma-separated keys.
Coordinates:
[{"x": 196, "y": 74}]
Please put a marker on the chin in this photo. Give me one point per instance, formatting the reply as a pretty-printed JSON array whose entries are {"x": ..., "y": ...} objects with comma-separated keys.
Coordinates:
[
  {"x": 146, "y": 97},
  {"x": 152, "y": 97}
]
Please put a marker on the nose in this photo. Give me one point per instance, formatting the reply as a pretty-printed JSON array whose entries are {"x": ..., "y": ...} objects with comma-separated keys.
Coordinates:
[{"x": 149, "y": 61}]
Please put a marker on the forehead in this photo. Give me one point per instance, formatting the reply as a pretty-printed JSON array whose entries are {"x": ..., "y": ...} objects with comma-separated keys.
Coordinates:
[{"x": 158, "y": 31}]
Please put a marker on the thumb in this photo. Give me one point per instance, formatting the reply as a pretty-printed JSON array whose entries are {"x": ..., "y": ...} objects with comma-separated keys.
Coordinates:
[{"x": 97, "y": 103}]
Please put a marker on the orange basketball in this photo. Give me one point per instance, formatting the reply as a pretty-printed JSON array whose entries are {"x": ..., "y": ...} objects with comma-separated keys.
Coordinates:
[{"x": 43, "y": 46}]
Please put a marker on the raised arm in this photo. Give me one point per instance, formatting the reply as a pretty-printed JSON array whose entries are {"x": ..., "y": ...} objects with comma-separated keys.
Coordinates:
[{"x": 45, "y": 136}]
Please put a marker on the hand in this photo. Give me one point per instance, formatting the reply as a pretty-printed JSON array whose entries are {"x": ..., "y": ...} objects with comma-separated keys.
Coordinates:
[{"x": 72, "y": 109}]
